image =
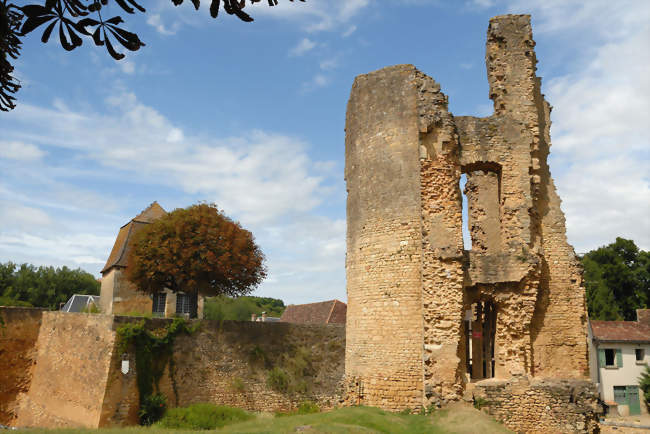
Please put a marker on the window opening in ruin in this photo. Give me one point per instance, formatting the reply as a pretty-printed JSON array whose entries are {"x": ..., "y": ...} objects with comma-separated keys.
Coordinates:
[
  {"x": 467, "y": 239},
  {"x": 480, "y": 336},
  {"x": 610, "y": 357}
]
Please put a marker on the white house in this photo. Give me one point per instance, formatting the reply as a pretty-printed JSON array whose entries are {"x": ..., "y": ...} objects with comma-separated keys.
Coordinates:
[{"x": 619, "y": 352}]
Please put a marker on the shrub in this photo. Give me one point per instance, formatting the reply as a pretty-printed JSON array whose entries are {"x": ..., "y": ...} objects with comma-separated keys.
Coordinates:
[
  {"x": 238, "y": 385},
  {"x": 308, "y": 407},
  {"x": 644, "y": 384},
  {"x": 480, "y": 402},
  {"x": 152, "y": 408},
  {"x": 277, "y": 380},
  {"x": 203, "y": 416}
]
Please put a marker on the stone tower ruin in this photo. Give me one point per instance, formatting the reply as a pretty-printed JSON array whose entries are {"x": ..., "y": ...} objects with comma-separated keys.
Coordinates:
[{"x": 427, "y": 319}]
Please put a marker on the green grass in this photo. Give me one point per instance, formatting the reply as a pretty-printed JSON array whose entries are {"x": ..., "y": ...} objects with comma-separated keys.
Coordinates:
[{"x": 459, "y": 418}]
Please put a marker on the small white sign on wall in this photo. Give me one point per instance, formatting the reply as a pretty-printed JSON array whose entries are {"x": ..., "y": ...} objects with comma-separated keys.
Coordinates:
[{"x": 125, "y": 367}]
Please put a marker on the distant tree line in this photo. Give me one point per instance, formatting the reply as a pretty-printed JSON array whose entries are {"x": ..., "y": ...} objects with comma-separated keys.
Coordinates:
[
  {"x": 617, "y": 281},
  {"x": 241, "y": 308},
  {"x": 28, "y": 285}
]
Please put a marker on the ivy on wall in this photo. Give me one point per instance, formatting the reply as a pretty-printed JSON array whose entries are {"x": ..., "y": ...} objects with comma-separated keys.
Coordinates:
[{"x": 153, "y": 352}]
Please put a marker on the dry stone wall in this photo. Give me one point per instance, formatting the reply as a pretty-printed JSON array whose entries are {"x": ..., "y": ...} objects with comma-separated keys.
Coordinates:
[
  {"x": 541, "y": 406},
  {"x": 426, "y": 318}
]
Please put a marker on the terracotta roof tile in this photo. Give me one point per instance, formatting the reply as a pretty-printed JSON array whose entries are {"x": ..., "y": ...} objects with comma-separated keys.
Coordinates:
[
  {"x": 120, "y": 250},
  {"x": 324, "y": 312},
  {"x": 620, "y": 331}
]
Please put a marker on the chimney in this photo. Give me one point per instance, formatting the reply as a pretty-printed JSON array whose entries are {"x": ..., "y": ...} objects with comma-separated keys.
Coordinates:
[
  {"x": 253, "y": 317},
  {"x": 263, "y": 316},
  {"x": 643, "y": 316}
]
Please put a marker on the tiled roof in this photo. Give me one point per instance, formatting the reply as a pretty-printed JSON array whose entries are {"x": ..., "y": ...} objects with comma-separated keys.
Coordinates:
[
  {"x": 119, "y": 253},
  {"x": 324, "y": 312},
  {"x": 620, "y": 331}
]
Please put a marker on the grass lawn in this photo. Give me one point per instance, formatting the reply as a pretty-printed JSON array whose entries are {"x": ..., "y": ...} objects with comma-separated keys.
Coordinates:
[{"x": 458, "y": 418}]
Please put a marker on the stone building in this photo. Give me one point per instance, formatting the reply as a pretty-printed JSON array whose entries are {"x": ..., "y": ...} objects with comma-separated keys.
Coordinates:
[
  {"x": 428, "y": 321},
  {"x": 119, "y": 296}
]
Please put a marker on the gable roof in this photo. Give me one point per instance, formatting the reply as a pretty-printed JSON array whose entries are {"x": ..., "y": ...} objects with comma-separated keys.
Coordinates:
[
  {"x": 119, "y": 252},
  {"x": 324, "y": 312},
  {"x": 620, "y": 331}
]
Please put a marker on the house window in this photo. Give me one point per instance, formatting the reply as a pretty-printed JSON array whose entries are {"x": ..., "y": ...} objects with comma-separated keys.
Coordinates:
[
  {"x": 186, "y": 304},
  {"x": 640, "y": 354},
  {"x": 158, "y": 308},
  {"x": 610, "y": 358}
]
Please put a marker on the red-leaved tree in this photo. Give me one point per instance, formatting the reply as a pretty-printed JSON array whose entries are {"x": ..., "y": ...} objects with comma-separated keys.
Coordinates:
[{"x": 196, "y": 250}]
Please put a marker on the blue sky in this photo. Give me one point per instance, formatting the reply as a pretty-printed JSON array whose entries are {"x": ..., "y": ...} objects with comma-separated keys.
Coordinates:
[{"x": 251, "y": 117}]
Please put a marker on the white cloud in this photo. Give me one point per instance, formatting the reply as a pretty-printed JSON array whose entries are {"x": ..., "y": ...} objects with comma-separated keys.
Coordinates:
[
  {"x": 349, "y": 31},
  {"x": 303, "y": 47},
  {"x": 312, "y": 16},
  {"x": 329, "y": 64},
  {"x": 15, "y": 150},
  {"x": 317, "y": 81},
  {"x": 156, "y": 21},
  {"x": 127, "y": 66}
]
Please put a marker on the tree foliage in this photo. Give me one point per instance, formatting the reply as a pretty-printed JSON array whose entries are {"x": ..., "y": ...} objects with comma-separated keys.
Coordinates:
[
  {"x": 196, "y": 249},
  {"x": 617, "y": 280},
  {"x": 241, "y": 308},
  {"x": 27, "y": 285},
  {"x": 75, "y": 20},
  {"x": 644, "y": 384}
]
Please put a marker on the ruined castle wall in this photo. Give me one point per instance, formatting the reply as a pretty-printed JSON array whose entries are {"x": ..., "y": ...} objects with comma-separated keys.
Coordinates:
[
  {"x": 442, "y": 246},
  {"x": 69, "y": 379},
  {"x": 542, "y": 406},
  {"x": 228, "y": 364},
  {"x": 384, "y": 240},
  {"x": 19, "y": 328}
]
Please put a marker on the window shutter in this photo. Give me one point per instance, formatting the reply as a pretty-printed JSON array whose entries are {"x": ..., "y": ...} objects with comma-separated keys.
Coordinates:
[
  {"x": 619, "y": 358},
  {"x": 601, "y": 358}
]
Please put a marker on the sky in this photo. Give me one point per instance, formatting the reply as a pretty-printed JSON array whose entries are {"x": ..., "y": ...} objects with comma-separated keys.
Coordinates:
[{"x": 251, "y": 116}]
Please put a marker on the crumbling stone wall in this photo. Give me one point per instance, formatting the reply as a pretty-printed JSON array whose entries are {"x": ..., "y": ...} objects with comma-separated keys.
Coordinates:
[
  {"x": 412, "y": 291},
  {"x": 19, "y": 328},
  {"x": 541, "y": 405}
]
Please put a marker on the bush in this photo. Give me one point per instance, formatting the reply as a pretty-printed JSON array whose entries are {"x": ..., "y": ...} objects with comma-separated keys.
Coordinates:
[
  {"x": 277, "y": 380},
  {"x": 480, "y": 402},
  {"x": 203, "y": 416},
  {"x": 308, "y": 407},
  {"x": 644, "y": 384},
  {"x": 152, "y": 408}
]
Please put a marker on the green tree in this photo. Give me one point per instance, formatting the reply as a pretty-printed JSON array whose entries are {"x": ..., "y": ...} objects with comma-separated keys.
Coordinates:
[
  {"x": 644, "y": 384},
  {"x": 617, "y": 280},
  {"x": 196, "y": 249},
  {"x": 241, "y": 308},
  {"x": 43, "y": 286}
]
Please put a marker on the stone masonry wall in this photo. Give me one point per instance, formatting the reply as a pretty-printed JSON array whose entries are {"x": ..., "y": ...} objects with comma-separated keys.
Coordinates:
[
  {"x": 384, "y": 238},
  {"x": 542, "y": 406},
  {"x": 19, "y": 328},
  {"x": 405, "y": 261},
  {"x": 67, "y": 372},
  {"x": 228, "y": 363}
]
